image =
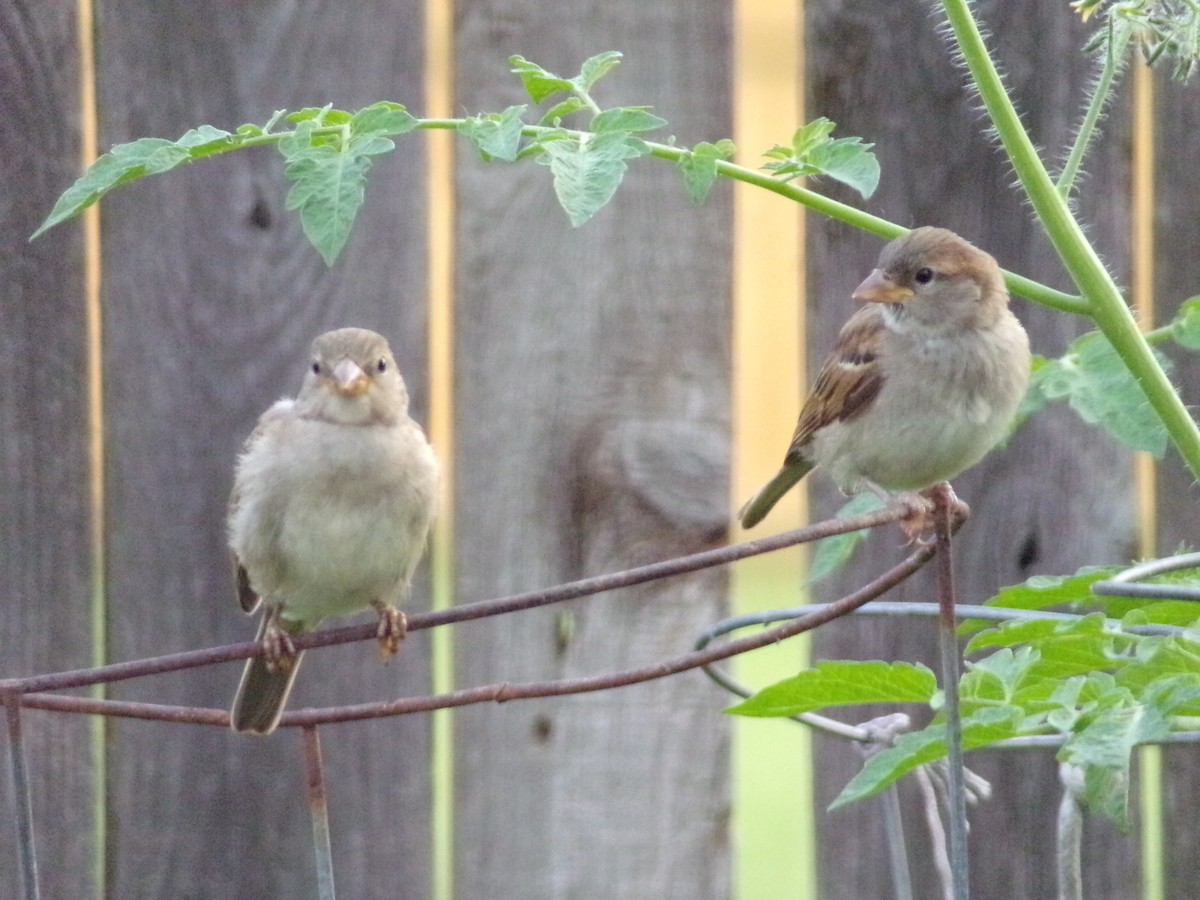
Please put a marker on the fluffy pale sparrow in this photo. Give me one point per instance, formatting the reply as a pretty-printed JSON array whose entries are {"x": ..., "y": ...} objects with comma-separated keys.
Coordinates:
[
  {"x": 332, "y": 501},
  {"x": 922, "y": 381}
]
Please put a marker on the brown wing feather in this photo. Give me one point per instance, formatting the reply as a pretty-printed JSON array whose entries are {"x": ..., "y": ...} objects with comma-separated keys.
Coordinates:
[
  {"x": 247, "y": 597},
  {"x": 848, "y": 381}
]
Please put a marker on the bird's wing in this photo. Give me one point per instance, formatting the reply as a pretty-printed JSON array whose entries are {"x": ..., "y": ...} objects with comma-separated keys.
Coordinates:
[
  {"x": 248, "y": 598},
  {"x": 849, "y": 380}
]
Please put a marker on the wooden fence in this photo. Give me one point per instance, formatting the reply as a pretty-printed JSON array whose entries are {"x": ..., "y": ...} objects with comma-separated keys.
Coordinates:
[{"x": 591, "y": 384}]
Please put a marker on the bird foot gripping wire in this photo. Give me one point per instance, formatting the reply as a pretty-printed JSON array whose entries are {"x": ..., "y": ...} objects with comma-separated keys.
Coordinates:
[
  {"x": 920, "y": 521},
  {"x": 393, "y": 626},
  {"x": 278, "y": 650}
]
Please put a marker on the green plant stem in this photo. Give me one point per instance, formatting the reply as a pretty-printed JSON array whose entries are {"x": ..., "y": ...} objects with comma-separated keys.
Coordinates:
[
  {"x": 1018, "y": 284},
  {"x": 1101, "y": 91},
  {"x": 1107, "y": 307}
]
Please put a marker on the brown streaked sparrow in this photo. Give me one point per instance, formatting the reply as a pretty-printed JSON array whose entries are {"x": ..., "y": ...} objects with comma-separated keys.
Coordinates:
[
  {"x": 332, "y": 501},
  {"x": 922, "y": 381}
]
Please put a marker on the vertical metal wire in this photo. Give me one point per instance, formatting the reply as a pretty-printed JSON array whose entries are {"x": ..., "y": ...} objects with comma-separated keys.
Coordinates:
[
  {"x": 22, "y": 803},
  {"x": 948, "y": 643},
  {"x": 897, "y": 847},
  {"x": 318, "y": 809}
]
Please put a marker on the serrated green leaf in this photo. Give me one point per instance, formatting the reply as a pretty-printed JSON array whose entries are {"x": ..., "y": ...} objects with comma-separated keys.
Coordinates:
[
  {"x": 530, "y": 150},
  {"x": 791, "y": 169},
  {"x": 699, "y": 167},
  {"x": 1068, "y": 691},
  {"x": 722, "y": 149},
  {"x": 1102, "y": 391},
  {"x": 919, "y": 748},
  {"x": 250, "y": 129},
  {"x": 1066, "y": 697},
  {"x": 1045, "y": 591},
  {"x": 539, "y": 83},
  {"x": 369, "y": 144},
  {"x": 496, "y": 135},
  {"x": 831, "y": 553},
  {"x": 128, "y": 162},
  {"x": 997, "y": 677},
  {"x": 778, "y": 152},
  {"x": 808, "y": 137},
  {"x": 814, "y": 153},
  {"x": 1110, "y": 737},
  {"x": 1038, "y": 698},
  {"x": 1106, "y": 791},
  {"x": 1176, "y": 613},
  {"x": 328, "y": 186},
  {"x": 1102, "y": 748},
  {"x": 561, "y": 110},
  {"x": 888, "y": 766},
  {"x": 849, "y": 161},
  {"x": 839, "y": 683},
  {"x": 382, "y": 118},
  {"x": 328, "y": 189},
  {"x": 627, "y": 118},
  {"x": 1168, "y": 677},
  {"x": 1185, "y": 327},
  {"x": 1010, "y": 634},
  {"x": 328, "y": 170},
  {"x": 205, "y": 141},
  {"x": 273, "y": 121},
  {"x": 1171, "y": 695},
  {"x": 320, "y": 116},
  {"x": 165, "y": 158},
  {"x": 596, "y": 67},
  {"x": 1168, "y": 612},
  {"x": 587, "y": 173},
  {"x": 1075, "y": 654}
]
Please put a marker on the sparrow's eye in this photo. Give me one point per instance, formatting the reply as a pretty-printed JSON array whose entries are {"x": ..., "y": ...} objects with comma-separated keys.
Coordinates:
[
  {"x": 316, "y": 368},
  {"x": 924, "y": 275},
  {"x": 381, "y": 365}
]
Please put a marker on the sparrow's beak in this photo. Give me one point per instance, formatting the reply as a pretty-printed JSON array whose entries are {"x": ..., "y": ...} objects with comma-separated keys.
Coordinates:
[
  {"x": 349, "y": 378},
  {"x": 878, "y": 287}
]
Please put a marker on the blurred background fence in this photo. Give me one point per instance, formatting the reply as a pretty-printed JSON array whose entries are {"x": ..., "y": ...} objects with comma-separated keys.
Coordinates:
[{"x": 603, "y": 397}]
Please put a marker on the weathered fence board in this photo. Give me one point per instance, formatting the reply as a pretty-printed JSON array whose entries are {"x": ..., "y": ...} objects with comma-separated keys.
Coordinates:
[
  {"x": 211, "y": 296},
  {"x": 591, "y": 389},
  {"x": 1059, "y": 495},
  {"x": 45, "y": 557},
  {"x": 1177, "y": 210},
  {"x": 592, "y": 384}
]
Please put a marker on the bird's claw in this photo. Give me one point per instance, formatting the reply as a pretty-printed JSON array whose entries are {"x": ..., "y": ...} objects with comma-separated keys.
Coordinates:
[
  {"x": 921, "y": 520},
  {"x": 393, "y": 626},
  {"x": 278, "y": 650},
  {"x": 918, "y": 522}
]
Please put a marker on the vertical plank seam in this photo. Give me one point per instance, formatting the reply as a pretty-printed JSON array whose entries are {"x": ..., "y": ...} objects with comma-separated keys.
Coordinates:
[
  {"x": 768, "y": 381},
  {"x": 98, "y": 614},
  {"x": 1142, "y": 265},
  {"x": 439, "y": 92}
]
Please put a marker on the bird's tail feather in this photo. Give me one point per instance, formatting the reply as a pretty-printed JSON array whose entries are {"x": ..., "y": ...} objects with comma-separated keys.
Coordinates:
[
  {"x": 762, "y": 502},
  {"x": 263, "y": 691},
  {"x": 261, "y": 696}
]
